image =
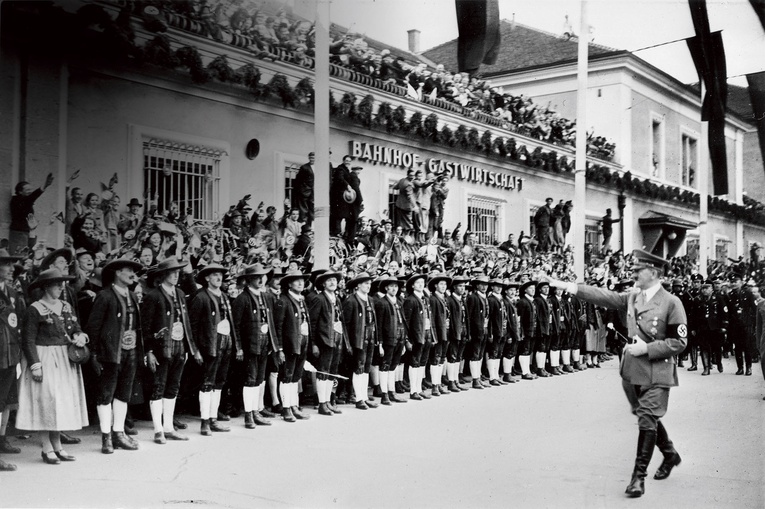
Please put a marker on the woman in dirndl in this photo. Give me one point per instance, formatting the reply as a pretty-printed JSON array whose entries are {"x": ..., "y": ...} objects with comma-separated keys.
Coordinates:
[{"x": 51, "y": 391}]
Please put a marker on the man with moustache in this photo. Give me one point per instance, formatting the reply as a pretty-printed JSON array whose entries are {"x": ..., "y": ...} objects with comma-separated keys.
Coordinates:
[
  {"x": 117, "y": 349},
  {"x": 215, "y": 337},
  {"x": 252, "y": 313},
  {"x": 167, "y": 337}
]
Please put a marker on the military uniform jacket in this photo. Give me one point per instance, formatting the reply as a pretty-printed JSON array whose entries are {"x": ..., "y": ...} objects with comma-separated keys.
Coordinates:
[
  {"x": 497, "y": 318},
  {"x": 157, "y": 312},
  {"x": 660, "y": 322},
  {"x": 388, "y": 320},
  {"x": 288, "y": 320},
  {"x": 205, "y": 317},
  {"x": 527, "y": 318},
  {"x": 478, "y": 316},
  {"x": 547, "y": 325},
  {"x": 257, "y": 335},
  {"x": 354, "y": 310},
  {"x": 711, "y": 314},
  {"x": 106, "y": 326},
  {"x": 440, "y": 318},
  {"x": 457, "y": 318},
  {"x": 736, "y": 304},
  {"x": 416, "y": 315},
  {"x": 12, "y": 311},
  {"x": 322, "y": 320}
]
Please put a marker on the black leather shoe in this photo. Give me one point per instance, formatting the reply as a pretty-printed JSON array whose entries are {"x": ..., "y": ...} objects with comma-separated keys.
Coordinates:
[
  {"x": 249, "y": 423},
  {"x": 69, "y": 439},
  {"x": 174, "y": 435},
  {"x": 636, "y": 487},
  {"x": 415, "y": 396},
  {"x": 395, "y": 399},
  {"x": 63, "y": 455},
  {"x": 287, "y": 415},
  {"x": 666, "y": 466},
  {"x": 372, "y": 404},
  {"x": 7, "y": 467},
  {"x": 130, "y": 430},
  {"x": 333, "y": 408},
  {"x": 527, "y": 376},
  {"x": 178, "y": 424},
  {"x": 740, "y": 371},
  {"x": 299, "y": 415},
  {"x": 50, "y": 458},
  {"x": 385, "y": 399},
  {"x": 361, "y": 405},
  {"x": 205, "y": 428},
  {"x": 435, "y": 392},
  {"x": 6, "y": 447},
  {"x": 223, "y": 417},
  {"x": 495, "y": 383},
  {"x": 324, "y": 410},
  {"x": 748, "y": 371},
  {"x": 106, "y": 443},
  {"x": 267, "y": 413},
  {"x": 121, "y": 441},
  {"x": 477, "y": 384},
  {"x": 693, "y": 367},
  {"x": 399, "y": 388},
  {"x": 259, "y": 419},
  {"x": 217, "y": 427}
]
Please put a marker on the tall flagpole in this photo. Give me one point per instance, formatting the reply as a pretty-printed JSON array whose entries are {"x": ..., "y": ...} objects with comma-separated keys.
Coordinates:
[
  {"x": 321, "y": 137},
  {"x": 580, "y": 184},
  {"x": 703, "y": 179}
]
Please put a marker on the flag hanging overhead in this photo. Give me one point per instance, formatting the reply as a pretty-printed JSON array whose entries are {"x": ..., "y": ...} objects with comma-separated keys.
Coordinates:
[
  {"x": 757, "y": 84},
  {"x": 479, "y": 38},
  {"x": 709, "y": 58}
]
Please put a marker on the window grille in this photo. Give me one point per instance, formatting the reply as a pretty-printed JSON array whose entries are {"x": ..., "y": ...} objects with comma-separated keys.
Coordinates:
[
  {"x": 483, "y": 219},
  {"x": 183, "y": 173}
]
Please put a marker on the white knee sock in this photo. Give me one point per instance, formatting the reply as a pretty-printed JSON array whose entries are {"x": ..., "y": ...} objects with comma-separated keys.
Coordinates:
[
  {"x": 435, "y": 375},
  {"x": 204, "y": 405},
  {"x": 295, "y": 401},
  {"x": 261, "y": 388},
  {"x": 104, "y": 418},
  {"x": 575, "y": 354},
  {"x": 507, "y": 365},
  {"x": 566, "y": 355},
  {"x": 284, "y": 390},
  {"x": 248, "y": 397},
  {"x": 541, "y": 356},
  {"x": 155, "y": 406},
  {"x": 413, "y": 380},
  {"x": 392, "y": 381},
  {"x": 168, "y": 410},
  {"x": 475, "y": 370},
  {"x": 554, "y": 358},
  {"x": 384, "y": 381},
  {"x": 119, "y": 413},
  {"x": 273, "y": 384},
  {"x": 215, "y": 403},
  {"x": 525, "y": 362},
  {"x": 357, "y": 381},
  {"x": 374, "y": 375}
]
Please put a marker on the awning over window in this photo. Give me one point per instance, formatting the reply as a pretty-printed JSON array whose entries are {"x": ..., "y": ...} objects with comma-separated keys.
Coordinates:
[{"x": 663, "y": 234}]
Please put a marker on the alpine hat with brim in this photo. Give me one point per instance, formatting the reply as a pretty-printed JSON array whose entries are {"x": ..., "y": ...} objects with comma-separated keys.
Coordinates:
[
  {"x": 51, "y": 258},
  {"x": 459, "y": 280},
  {"x": 479, "y": 280},
  {"x": 210, "y": 269},
  {"x": 48, "y": 277},
  {"x": 525, "y": 285},
  {"x": 293, "y": 275},
  {"x": 5, "y": 257},
  {"x": 321, "y": 278},
  {"x": 83, "y": 251},
  {"x": 363, "y": 277},
  {"x": 437, "y": 278},
  {"x": 254, "y": 270},
  {"x": 383, "y": 281},
  {"x": 163, "y": 267},
  {"x": 111, "y": 268},
  {"x": 413, "y": 278}
]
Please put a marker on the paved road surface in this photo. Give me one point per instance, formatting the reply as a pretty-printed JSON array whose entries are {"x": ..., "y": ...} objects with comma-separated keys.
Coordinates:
[{"x": 564, "y": 442}]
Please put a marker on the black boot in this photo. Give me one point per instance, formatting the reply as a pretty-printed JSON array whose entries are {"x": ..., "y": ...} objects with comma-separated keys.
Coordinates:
[
  {"x": 694, "y": 359},
  {"x": 249, "y": 422},
  {"x": 667, "y": 448},
  {"x": 705, "y": 362},
  {"x": 719, "y": 361},
  {"x": 646, "y": 443},
  {"x": 106, "y": 443},
  {"x": 205, "y": 427}
]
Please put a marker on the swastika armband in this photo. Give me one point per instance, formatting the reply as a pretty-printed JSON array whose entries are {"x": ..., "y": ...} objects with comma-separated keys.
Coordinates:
[{"x": 677, "y": 331}]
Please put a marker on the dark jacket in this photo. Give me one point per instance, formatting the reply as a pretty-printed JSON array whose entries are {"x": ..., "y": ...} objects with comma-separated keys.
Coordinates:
[
  {"x": 478, "y": 316},
  {"x": 205, "y": 319},
  {"x": 287, "y": 320},
  {"x": 415, "y": 312},
  {"x": 12, "y": 312},
  {"x": 512, "y": 321},
  {"x": 456, "y": 319},
  {"x": 248, "y": 324},
  {"x": 527, "y": 315},
  {"x": 387, "y": 321},
  {"x": 322, "y": 321},
  {"x": 544, "y": 316},
  {"x": 440, "y": 318},
  {"x": 353, "y": 316},
  {"x": 156, "y": 313},
  {"x": 106, "y": 326},
  {"x": 497, "y": 318}
]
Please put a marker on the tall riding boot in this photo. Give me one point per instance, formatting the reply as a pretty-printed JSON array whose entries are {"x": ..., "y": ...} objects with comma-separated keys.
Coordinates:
[
  {"x": 694, "y": 359},
  {"x": 646, "y": 443},
  {"x": 719, "y": 355},
  {"x": 705, "y": 362},
  {"x": 667, "y": 448}
]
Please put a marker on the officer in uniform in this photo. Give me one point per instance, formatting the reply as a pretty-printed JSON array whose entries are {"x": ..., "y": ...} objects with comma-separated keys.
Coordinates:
[
  {"x": 738, "y": 302},
  {"x": 693, "y": 298},
  {"x": 658, "y": 329},
  {"x": 12, "y": 310},
  {"x": 711, "y": 318},
  {"x": 678, "y": 289}
]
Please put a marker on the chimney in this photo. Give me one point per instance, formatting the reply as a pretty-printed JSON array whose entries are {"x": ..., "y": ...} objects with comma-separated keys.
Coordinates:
[
  {"x": 414, "y": 40},
  {"x": 512, "y": 23}
]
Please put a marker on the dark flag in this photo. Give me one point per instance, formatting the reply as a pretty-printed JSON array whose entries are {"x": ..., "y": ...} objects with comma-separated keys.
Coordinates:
[
  {"x": 757, "y": 84},
  {"x": 478, "y": 25},
  {"x": 709, "y": 58}
]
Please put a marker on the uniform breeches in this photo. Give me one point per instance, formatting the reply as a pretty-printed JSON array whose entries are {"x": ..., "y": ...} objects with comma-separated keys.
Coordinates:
[
  {"x": 167, "y": 379},
  {"x": 7, "y": 383},
  {"x": 362, "y": 358},
  {"x": 510, "y": 349},
  {"x": 116, "y": 379},
  {"x": 291, "y": 371},
  {"x": 455, "y": 350},
  {"x": 216, "y": 369},
  {"x": 419, "y": 356},
  {"x": 648, "y": 403},
  {"x": 495, "y": 348},
  {"x": 527, "y": 346},
  {"x": 256, "y": 369},
  {"x": 476, "y": 348},
  {"x": 437, "y": 354},
  {"x": 542, "y": 343},
  {"x": 391, "y": 356}
]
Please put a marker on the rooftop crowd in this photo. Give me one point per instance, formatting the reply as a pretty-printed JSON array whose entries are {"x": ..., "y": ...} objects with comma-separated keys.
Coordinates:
[{"x": 405, "y": 306}]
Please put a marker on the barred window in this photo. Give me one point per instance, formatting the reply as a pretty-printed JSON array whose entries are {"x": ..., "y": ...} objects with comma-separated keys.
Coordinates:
[
  {"x": 183, "y": 173},
  {"x": 483, "y": 218},
  {"x": 392, "y": 197},
  {"x": 592, "y": 236}
]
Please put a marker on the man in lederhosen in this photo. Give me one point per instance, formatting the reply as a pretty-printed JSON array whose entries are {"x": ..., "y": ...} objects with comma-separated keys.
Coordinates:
[
  {"x": 478, "y": 323},
  {"x": 497, "y": 330},
  {"x": 329, "y": 336},
  {"x": 12, "y": 311},
  {"x": 215, "y": 337},
  {"x": 252, "y": 313},
  {"x": 527, "y": 328},
  {"x": 293, "y": 327},
  {"x": 437, "y": 284},
  {"x": 391, "y": 334},
  {"x": 167, "y": 338},
  {"x": 116, "y": 342},
  {"x": 457, "y": 333},
  {"x": 657, "y": 327},
  {"x": 361, "y": 324},
  {"x": 417, "y": 319},
  {"x": 559, "y": 330},
  {"x": 545, "y": 327},
  {"x": 511, "y": 345}
]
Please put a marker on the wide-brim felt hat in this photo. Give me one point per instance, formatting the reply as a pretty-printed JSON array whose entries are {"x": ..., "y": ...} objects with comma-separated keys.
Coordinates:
[
  {"x": 254, "y": 270},
  {"x": 525, "y": 285},
  {"x": 48, "y": 277},
  {"x": 383, "y": 281},
  {"x": 437, "y": 278},
  {"x": 5, "y": 257},
  {"x": 413, "y": 278},
  {"x": 67, "y": 253},
  {"x": 209, "y": 269},
  {"x": 120, "y": 263},
  {"x": 496, "y": 281},
  {"x": 134, "y": 201},
  {"x": 316, "y": 273},
  {"x": 293, "y": 275},
  {"x": 363, "y": 277},
  {"x": 479, "y": 280},
  {"x": 458, "y": 280},
  {"x": 83, "y": 251},
  {"x": 349, "y": 196},
  {"x": 542, "y": 284},
  {"x": 163, "y": 267},
  {"x": 321, "y": 278}
]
